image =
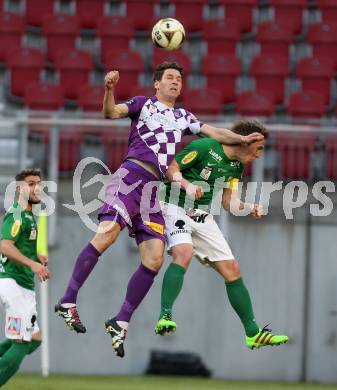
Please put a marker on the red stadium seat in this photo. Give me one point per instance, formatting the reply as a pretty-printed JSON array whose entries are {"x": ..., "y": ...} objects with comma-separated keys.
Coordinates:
[
  {"x": 270, "y": 73},
  {"x": 25, "y": 66},
  {"x": 41, "y": 96},
  {"x": 12, "y": 27},
  {"x": 331, "y": 157},
  {"x": 328, "y": 10},
  {"x": 90, "y": 97},
  {"x": 130, "y": 65},
  {"x": 222, "y": 36},
  {"x": 254, "y": 104},
  {"x": 61, "y": 32},
  {"x": 221, "y": 72},
  {"x": 74, "y": 67},
  {"x": 274, "y": 39},
  {"x": 316, "y": 75},
  {"x": 89, "y": 12},
  {"x": 295, "y": 152},
  {"x": 69, "y": 149},
  {"x": 306, "y": 105},
  {"x": 203, "y": 102},
  {"x": 115, "y": 33},
  {"x": 190, "y": 13},
  {"x": 143, "y": 90},
  {"x": 135, "y": 8},
  {"x": 37, "y": 9},
  {"x": 323, "y": 39},
  {"x": 116, "y": 148},
  {"x": 242, "y": 10},
  {"x": 289, "y": 12},
  {"x": 179, "y": 56}
]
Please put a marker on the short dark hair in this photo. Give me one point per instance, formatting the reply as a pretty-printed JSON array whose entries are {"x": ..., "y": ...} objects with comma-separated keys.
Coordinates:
[
  {"x": 249, "y": 126},
  {"x": 160, "y": 69},
  {"x": 21, "y": 176}
]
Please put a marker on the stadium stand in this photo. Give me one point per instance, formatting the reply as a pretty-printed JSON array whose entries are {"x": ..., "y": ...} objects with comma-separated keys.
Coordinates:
[
  {"x": 221, "y": 72},
  {"x": 221, "y": 35},
  {"x": 130, "y": 66},
  {"x": 255, "y": 105},
  {"x": 90, "y": 98},
  {"x": 295, "y": 153},
  {"x": 74, "y": 68},
  {"x": 25, "y": 65},
  {"x": 331, "y": 157},
  {"x": 89, "y": 12},
  {"x": 316, "y": 75},
  {"x": 61, "y": 32},
  {"x": 241, "y": 10},
  {"x": 190, "y": 13},
  {"x": 178, "y": 55},
  {"x": 42, "y": 96},
  {"x": 36, "y": 10},
  {"x": 328, "y": 9},
  {"x": 270, "y": 72},
  {"x": 306, "y": 105},
  {"x": 115, "y": 33},
  {"x": 203, "y": 101},
  {"x": 134, "y": 8},
  {"x": 323, "y": 39},
  {"x": 12, "y": 28},
  {"x": 289, "y": 13}
]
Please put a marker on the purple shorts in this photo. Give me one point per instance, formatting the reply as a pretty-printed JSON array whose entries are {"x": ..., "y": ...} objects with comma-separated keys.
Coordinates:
[{"x": 131, "y": 200}]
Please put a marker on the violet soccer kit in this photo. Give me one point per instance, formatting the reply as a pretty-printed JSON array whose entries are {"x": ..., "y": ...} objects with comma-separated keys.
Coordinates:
[{"x": 156, "y": 131}]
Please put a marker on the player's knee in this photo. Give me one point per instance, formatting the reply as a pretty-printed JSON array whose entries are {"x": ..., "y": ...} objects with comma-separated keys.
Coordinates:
[
  {"x": 232, "y": 270},
  {"x": 183, "y": 257},
  {"x": 154, "y": 262}
]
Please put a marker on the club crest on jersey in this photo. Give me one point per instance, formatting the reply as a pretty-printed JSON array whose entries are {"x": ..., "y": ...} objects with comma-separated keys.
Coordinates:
[
  {"x": 177, "y": 114},
  {"x": 15, "y": 228},
  {"x": 14, "y": 325},
  {"x": 189, "y": 157},
  {"x": 33, "y": 233},
  {"x": 130, "y": 101},
  {"x": 215, "y": 155},
  {"x": 206, "y": 172}
]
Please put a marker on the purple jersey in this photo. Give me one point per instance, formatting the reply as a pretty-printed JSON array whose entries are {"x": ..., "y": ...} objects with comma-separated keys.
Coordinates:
[{"x": 156, "y": 130}]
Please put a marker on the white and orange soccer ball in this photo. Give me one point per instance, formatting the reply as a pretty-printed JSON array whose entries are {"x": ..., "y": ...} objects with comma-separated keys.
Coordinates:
[{"x": 168, "y": 34}]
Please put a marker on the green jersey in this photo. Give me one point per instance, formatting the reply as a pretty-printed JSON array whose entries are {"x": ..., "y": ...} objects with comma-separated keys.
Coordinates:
[
  {"x": 203, "y": 162},
  {"x": 19, "y": 225}
]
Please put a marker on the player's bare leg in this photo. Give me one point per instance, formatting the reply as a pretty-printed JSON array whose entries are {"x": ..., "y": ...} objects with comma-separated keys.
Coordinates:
[
  {"x": 107, "y": 234},
  {"x": 239, "y": 298},
  {"x": 172, "y": 285},
  {"x": 151, "y": 254}
]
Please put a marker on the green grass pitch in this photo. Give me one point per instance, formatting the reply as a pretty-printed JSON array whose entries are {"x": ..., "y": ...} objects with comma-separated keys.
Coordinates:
[{"x": 71, "y": 382}]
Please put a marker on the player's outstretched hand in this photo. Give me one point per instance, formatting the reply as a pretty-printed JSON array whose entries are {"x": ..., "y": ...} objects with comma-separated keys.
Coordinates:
[
  {"x": 257, "y": 211},
  {"x": 194, "y": 192},
  {"x": 111, "y": 79},
  {"x": 43, "y": 259},
  {"x": 253, "y": 137},
  {"x": 40, "y": 270}
]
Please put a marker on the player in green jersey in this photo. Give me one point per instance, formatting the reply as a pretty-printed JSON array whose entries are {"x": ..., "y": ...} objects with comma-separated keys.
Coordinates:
[
  {"x": 19, "y": 264},
  {"x": 205, "y": 171}
]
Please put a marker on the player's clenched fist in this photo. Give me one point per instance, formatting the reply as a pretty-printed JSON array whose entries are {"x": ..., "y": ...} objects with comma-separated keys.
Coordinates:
[{"x": 111, "y": 79}]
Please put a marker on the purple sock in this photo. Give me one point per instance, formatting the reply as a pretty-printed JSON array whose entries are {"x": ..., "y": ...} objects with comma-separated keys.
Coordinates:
[
  {"x": 139, "y": 285},
  {"x": 85, "y": 263}
]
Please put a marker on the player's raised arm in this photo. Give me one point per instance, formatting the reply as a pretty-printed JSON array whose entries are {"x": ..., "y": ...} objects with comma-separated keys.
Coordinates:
[
  {"x": 226, "y": 136},
  {"x": 110, "y": 109}
]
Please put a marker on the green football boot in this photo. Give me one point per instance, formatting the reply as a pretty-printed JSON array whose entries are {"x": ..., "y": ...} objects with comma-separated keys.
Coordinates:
[
  {"x": 265, "y": 338},
  {"x": 165, "y": 325}
]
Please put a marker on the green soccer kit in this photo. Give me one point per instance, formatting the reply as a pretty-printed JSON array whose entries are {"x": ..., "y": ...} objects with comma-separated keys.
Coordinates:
[
  {"x": 19, "y": 225},
  {"x": 205, "y": 162}
]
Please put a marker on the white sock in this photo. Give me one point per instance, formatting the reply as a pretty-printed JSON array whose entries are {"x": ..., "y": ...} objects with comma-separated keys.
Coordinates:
[
  {"x": 68, "y": 305},
  {"x": 123, "y": 324}
]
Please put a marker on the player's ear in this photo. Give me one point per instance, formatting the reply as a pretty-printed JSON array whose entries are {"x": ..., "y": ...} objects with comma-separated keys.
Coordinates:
[{"x": 156, "y": 85}]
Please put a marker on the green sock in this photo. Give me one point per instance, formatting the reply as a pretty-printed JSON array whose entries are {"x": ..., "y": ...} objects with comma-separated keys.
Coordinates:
[
  {"x": 172, "y": 285},
  {"x": 5, "y": 345},
  {"x": 239, "y": 298},
  {"x": 11, "y": 360},
  {"x": 34, "y": 344}
]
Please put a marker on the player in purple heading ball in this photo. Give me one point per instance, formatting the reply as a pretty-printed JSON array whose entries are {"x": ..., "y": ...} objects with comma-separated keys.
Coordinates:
[{"x": 157, "y": 129}]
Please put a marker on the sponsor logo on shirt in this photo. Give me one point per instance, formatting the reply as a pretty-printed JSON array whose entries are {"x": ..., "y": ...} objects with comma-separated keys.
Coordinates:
[
  {"x": 130, "y": 101},
  {"x": 32, "y": 233},
  {"x": 15, "y": 228},
  {"x": 14, "y": 325},
  {"x": 156, "y": 227},
  {"x": 215, "y": 155},
  {"x": 206, "y": 173},
  {"x": 180, "y": 225},
  {"x": 235, "y": 164},
  {"x": 189, "y": 157}
]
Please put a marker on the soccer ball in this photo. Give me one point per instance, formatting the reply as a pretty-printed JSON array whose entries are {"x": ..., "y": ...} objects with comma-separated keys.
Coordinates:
[{"x": 168, "y": 34}]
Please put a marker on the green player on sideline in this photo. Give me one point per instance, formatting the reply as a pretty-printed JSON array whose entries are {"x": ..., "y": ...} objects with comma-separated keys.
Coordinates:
[
  {"x": 19, "y": 264},
  {"x": 190, "y": 231}
]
